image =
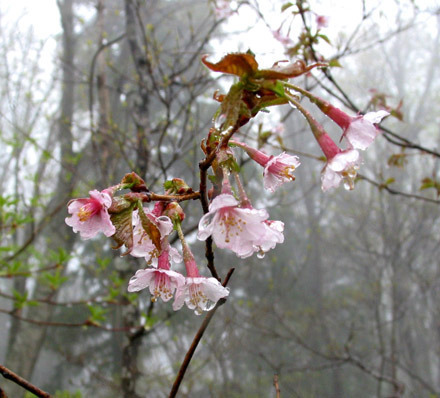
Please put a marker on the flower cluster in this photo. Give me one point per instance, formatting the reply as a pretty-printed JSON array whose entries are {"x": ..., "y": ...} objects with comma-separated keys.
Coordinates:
[{"x": 230, "y": 219}]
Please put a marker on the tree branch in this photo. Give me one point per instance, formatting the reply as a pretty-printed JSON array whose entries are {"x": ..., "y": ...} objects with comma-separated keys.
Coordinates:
[
  {"x": 196, "y": 341},
  {"x": 8, "y": 374}
]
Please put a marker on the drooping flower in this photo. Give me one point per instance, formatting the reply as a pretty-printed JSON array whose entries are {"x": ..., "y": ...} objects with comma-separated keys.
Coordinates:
[
  {"x": 241, "y": 230},
  {"x": 277, "y": 169},
  {"x": 161, "y": 281},
  {"x": 360, "y": 131},
  {"x": 341, "y": 167},
  {"x": 198, "y": 293},
  {"x": 283, "y": 39},
  {"x": 321, "y": 21},
  {"x": 143, "y": 246},
  {"x": 90, "y": 215},
  {"x": 273, "y": 235}
]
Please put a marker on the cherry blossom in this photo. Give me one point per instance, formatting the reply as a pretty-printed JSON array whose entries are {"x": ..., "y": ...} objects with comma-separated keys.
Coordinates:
[
  {"x": 277, "y": 169},
  {"x": 90, "y": 215},
  {"x": 198, "y": 293},
  {"x": 362, "y": 130},
  {"x": 162, "y": 281},
  {"x": 273, "y": 235},
  {"x": 242, "y": 230},
  {"x": 341, "y": 167}
]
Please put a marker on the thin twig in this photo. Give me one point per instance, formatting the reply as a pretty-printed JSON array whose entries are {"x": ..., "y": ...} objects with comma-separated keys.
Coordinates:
[
  {"x": 276, "y": 385},
  {"x": 395, "y": 192},
  {"x": 196, "y": 341},
  {"x": 8, "y": 374}
]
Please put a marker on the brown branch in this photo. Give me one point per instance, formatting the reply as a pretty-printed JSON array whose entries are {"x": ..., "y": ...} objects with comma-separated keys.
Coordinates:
[
  {"x": 30, "y": 272},
  {"x": 196, "y": 340},
  {"x": 175, "y": 198},
  {"x": 276, "y": 385},
  {"x": 8, "y": 374},
  {"x": 204, "y": 165},
  {"x": 395, "y": 192},
  {"x": 86, "y": 323}
]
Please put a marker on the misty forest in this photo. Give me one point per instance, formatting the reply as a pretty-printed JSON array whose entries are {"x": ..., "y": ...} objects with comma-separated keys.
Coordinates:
[{"x": 220, "y": 198}]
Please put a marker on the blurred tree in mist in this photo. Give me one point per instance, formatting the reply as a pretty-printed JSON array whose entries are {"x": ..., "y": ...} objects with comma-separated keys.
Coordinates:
[{"x": 347, "y": 306}]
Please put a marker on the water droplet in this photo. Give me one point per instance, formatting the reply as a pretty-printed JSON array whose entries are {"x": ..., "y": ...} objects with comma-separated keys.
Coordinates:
[
  {"x": 219, "y": 120},
  {"x": 198, "y": 311}
]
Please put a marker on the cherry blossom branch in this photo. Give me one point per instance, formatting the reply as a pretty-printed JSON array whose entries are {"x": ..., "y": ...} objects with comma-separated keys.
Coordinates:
[
  {"x": 173, "y": 198},
  {"x": 276, "y": 385},
  {"x": 196, "y": 340},
  {"x": 204, "y": 165},
  {"x": 396, "y": 138},
  {"x": 10, "y": 375}
]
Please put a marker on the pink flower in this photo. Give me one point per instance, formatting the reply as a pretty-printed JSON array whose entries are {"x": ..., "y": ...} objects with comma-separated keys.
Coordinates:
[
  {"x": 199, "y": 294},
  {"x": 341, "y": 167},
  {"x": 277, "y": 169},
  {"x": 223, "y": 8},
  {"x": 284, "y": 40},
  {"x": 161, "y": 281},
  {"x": 360, "y": 131},
  {"x": 142, "y": 244},
  {"x": 321, "y": 21},
  {"x": 242, "y": 230},
  {"x": 363, "y": 130},
  {"x": 90, "y": 215},
  {"x": 273, "y": 235}
]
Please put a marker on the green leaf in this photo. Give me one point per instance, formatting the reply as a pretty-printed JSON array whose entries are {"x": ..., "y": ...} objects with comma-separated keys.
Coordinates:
[
  {"x": 324, "y": 37},
  {"x": 97, "y": 314},
  {"x": 334, "y": 63},
  {"x": 54, "y": 279},
  {"x": 285, "y": 6}
]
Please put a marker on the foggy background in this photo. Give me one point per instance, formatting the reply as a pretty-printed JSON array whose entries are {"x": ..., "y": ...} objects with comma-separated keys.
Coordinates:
[{"x": 348, "y": 306}]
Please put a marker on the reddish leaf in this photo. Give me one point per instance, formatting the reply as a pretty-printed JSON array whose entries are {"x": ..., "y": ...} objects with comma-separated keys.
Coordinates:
[
  {"x": 238, "y": 64},
  {"x": 150, "y": 228},
  {"x": 291, "y": 70}
]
